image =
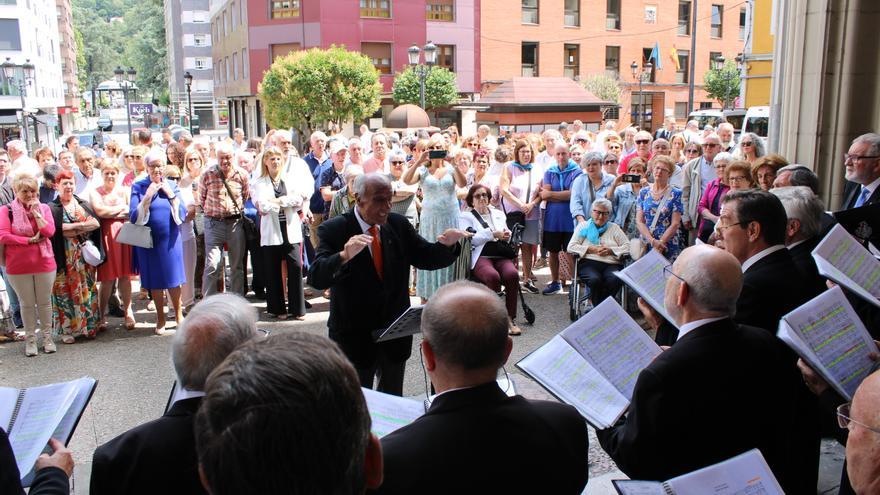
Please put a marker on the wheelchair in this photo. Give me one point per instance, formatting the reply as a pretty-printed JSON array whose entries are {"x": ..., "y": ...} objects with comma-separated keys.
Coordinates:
[{"x": 579, "y": 292}]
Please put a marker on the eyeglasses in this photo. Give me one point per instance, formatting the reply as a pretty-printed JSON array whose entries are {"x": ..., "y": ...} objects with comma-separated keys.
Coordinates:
[
  {"x": 844, "y": 419},
  {"x": 710, "y": 145},
  {"x": 397, "y": 162},
  {"x": 738, "y": 178},
  {"x": 722, "y": 227},
  {"x": 609, "y": 162},
  {"x": 643, "y": 141},
  {"x": 667, "y": 272},
  {"x": 127, "y": 156},
  {"x": 746, "y": 143},
  {"x": 172, "y": 178},
  {"x": 137, "y": 156},
  {"x": 481, "y": 196},
  {"x": 847, "y": 157},
  {"x": 601, "y": 213},
  {"x": 695, "y": 151},
  {"x": 581, "y": 140}
]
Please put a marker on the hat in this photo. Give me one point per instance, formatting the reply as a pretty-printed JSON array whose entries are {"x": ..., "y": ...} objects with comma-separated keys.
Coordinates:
[{"x": 335, "y": 146}]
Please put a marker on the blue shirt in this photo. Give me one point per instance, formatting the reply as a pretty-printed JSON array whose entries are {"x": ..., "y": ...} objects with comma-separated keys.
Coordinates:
[
  {"x": 316, "y": 204},
  {"x": 557, "y": 216}
]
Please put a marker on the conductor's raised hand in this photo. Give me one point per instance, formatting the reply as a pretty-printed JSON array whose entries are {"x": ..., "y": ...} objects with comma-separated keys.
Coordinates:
[
  {"x": 451, "y": 236},
  {"x": 355, "y": 245}
]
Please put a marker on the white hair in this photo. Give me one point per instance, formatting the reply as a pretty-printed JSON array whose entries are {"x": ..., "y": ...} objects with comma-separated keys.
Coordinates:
[
  {"x": 802, "y": 204},
  {"x": 318, "y": 135},
  {"x": 17, "y": 145},
  {"x": 225, "y": 148}
]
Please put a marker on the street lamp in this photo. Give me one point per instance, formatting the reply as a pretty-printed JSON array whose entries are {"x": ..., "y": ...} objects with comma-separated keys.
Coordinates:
[
  {"x": 27, "y": 72},
  {"x": 188, "y": 80},
  {"x": 719, "y": 66},
  {"x": 645, "y": 72},
  {"x": 126, "y": 86},
  {"x": 422, "y": 70}
]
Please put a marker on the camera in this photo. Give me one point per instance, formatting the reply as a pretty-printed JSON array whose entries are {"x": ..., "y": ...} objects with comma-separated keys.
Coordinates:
[
  {"x": 633, "y": 178},
  {"x": 435, "y": 154}
]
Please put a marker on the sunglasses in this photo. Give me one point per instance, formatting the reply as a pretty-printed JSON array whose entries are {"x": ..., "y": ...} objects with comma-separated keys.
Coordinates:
[
  {"x": 172, "y": 178},
  {"x": 128, "y": 156},
  {"x": 581, "y": 140},
  {"x": 642, "y": 141},
  {"x": 137, "y": 156},
  {"x": 609, "y": 162},
  {"x": 481, "y": 196},
  {"x": 746, "y": 143},
  {"x": 397, "y": 163},
  {"x": 710, "y": 145}
]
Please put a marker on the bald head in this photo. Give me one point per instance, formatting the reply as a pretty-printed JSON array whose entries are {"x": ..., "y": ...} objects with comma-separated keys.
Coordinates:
[
  {"x": 714, "y": 280},
  {"x": 466, "y": 326},
  {"x": 863, "y": 444}
]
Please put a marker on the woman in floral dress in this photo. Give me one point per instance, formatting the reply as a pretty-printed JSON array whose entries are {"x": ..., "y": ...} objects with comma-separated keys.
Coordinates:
[
  {"x": 75, "y": 292},
  {"x": 661, "y": 199}
]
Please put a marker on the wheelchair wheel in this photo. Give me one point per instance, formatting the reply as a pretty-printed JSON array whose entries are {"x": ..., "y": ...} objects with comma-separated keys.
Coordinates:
[{"x": 572, "y": 314}]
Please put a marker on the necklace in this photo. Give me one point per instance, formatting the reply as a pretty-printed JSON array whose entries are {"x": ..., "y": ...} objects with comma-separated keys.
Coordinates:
[{"x": 661, "y": 193}]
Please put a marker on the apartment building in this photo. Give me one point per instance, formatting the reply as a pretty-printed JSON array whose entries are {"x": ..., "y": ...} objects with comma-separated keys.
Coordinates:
[
  {"x": 70, "y": 83},
  {"x": 188, "y": 41}
]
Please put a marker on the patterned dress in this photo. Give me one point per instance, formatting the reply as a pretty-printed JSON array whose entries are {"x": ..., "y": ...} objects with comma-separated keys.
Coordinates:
[
  {"x": 118, "y": 262},
  {"x": 650, "y": 209},
  {"x": 439, "y": 212},
  {"x": 75, "y": 293}
]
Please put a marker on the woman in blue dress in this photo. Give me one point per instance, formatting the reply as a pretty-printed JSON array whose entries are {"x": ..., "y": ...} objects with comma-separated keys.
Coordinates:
[
  {"x": 155, "y": 203},
  {"x": 659, "y": 210},
  {"x": 440, "y": 211}
]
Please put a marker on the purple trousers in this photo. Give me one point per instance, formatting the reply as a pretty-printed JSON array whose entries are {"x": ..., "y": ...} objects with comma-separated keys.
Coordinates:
[{"x": 495, "y": 272}]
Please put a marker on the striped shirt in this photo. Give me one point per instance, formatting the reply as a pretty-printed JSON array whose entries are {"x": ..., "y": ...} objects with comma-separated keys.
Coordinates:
[{"x": 213, "y": 197}]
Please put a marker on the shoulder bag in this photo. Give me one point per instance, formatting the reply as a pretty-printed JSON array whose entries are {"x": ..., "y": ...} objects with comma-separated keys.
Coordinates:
[
  {"x": 496, "y": 248},
  {"x": 637, "y": 246},
  {"x": 251, "y": 232}
]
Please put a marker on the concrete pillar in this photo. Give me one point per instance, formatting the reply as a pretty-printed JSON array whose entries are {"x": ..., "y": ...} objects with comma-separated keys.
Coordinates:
[{"x": 468, "y": 123}]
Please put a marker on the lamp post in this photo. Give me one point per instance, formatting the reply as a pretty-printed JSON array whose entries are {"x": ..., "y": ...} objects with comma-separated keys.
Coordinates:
[
  {"x": 646, "y": 71},
  {"x": 126, "y": 86},
  {"x": 27, "y": 75},
  {"x": 422, "y": 70},
  {"x": 188, "y": 80},
  {"x": 719, "y": 66}
]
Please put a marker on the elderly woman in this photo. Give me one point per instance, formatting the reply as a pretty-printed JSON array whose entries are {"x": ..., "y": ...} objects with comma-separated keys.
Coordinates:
[
  {"x": 155, "y": 202},
  {"x": 750, "y": 148},
  {"x": 191, "y": 173},
  {"x": 558, "y": 227},
  {"x": 25, "y": 229},
  {"x": 738, "y": 175},
  {"x": 404, "y": 201},
  {"x": 764, "y": 170},
  {"x": 710, "y": 202},
  {"x": 625, "y": 195},
  {"x": 110, "y": 201},
  {"x": 601, "y": 244},
  {"x": 75, "y": 291},
  {"x": 280, "y": 235},
  {"x": 343, "y": 199},
  {"x": 520, "y": 188},
  {"x": 134, "y": 162},
  {"x": 594, "y": 183},
  {"x": 440, "y": 209},
  {"x": 491, "y": 257},
  {"x": 660, "y": 207}
]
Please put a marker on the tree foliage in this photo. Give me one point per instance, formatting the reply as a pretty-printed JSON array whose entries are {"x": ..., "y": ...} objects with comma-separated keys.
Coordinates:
[
  {"x": 723, "y": 85},
  {"x": 308, "y": 88},
  {"x": 440, "y": 87},
  {"x": 604, "y": 86}
]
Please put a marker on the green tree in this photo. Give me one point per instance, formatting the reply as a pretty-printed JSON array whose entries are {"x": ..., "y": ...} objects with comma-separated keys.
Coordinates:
[
  {"x": 144, "y": 48},
  {"x": 307, "y": 88},
  {"x": 440, "y": 87},
  {"x": 605, "y": 87},
  {"x": 723, "y": 85}
]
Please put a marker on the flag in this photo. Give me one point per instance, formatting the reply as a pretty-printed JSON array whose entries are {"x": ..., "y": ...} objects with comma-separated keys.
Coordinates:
[
  {"x": 673, "y": 54},
  {"x": 655, "y": 54}
]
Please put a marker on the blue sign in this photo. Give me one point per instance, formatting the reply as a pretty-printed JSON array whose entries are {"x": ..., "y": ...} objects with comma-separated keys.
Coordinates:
[{"x": 140, "y": 109}]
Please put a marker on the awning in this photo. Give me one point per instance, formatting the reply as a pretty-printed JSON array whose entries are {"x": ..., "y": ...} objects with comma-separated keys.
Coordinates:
[{"x": 540, "y": 100}]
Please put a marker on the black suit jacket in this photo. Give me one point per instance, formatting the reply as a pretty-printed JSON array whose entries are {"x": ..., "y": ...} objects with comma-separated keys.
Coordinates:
[
  {"x": 772, "y": 287},
  {"x": 721, "y": 390},
  {"x": 471, "y": 440},
  {"x": 663, "y": 133},
  {"x": 851, "y": 191},
  {"x": 801, "y": 255},
  {"x": 361, "y": 302},
  {"x": 155, "y": 457},
  {"x": 47, "y": 481}
]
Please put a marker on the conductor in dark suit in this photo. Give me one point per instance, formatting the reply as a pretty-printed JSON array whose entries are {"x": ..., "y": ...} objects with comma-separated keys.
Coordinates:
[
  {"x": 862, "y": 172},
  {"x": 160, "y": 456},
  {"x": 712, "y": 394},
  {"x": 364, "y": 259},
  {"x": 472, "y": 431}
]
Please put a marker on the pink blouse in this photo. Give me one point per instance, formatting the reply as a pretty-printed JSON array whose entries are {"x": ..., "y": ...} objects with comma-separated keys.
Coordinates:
[{"x": 23, "y": 258}]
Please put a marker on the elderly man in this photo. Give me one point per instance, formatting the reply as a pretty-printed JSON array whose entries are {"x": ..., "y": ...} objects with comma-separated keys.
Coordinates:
[
  {"x": 696, "y": 175},
  {"x": 863, "y": 439},
  {"x": 862, "y": 172},
  {"x": 84, "y": 173},
  {"x": 318, "y": 161},
  {"x": 378, "y": 162},
  {"x": 65, "y": 159},
  {"x": 667, "y": 130},
  {"x": 546, "y": 158},
  {"x": 485, "y": 137},
  {"x": 642, "y": 140},
  {"x": 364, "y": 259},
  {"x": 696, "y": 403},
  {"x": 797, "y": 175},
  {"x": 239, "y": 143},
  {"x": 805, "y": 213},
  {"x": 286, "y": 415},
  {"x": 725, "y": 134},
  {"x": 355, "y": 153},
  {"x": 332, "y": 179},
  {"x": 160, "y": 456},
  {"x": 473, "y": 429},
  {"x": 16, "y": 149},
  {"x": 692, "y": 132},
  {"x": 222, "y": 192}
]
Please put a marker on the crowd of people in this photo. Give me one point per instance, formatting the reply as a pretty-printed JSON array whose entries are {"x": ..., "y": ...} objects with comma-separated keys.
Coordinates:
[{"x": 361, "y": 221}]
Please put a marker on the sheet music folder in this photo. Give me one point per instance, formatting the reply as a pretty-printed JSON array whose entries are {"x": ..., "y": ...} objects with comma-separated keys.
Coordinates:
[{"x": 409, "y": 323}]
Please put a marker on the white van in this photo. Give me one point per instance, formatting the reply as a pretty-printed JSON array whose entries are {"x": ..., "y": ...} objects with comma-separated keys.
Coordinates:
[{"x": 758, "y": 121}]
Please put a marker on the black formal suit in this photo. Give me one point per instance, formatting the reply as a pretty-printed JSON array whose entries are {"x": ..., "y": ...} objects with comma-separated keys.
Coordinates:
[
  {"x": 361, "y": 302},
  {"x": 47, "y": 481},
  {"x": 663, "y": 133},
  {"x": 772, "y": 287},
  {"x": 851, "y": 192},
  {"x": 801, "y": 255},
  {"x": 720, "y": 390},
  {"x": 479, "y": 440},
  {"x": 155, "y": 457}
]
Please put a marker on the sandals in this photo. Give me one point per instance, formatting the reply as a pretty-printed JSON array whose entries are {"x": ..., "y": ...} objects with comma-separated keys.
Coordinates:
[
  {"x": 513, "y": 329},
  {"x": 130, "y": 322}
]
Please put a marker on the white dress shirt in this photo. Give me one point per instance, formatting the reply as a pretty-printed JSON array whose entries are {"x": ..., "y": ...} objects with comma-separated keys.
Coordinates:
[
  {"x": 693, "y": 325},
  {"x": 761, "y": 255}
]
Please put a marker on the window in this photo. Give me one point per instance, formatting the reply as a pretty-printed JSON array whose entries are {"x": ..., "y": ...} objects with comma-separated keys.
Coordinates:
[
  {"x": 446, "y": 56},
  {"x": 612, "y": 60},
  {"x": 235, "y": 66},
  {"x": 225, "y": 24},
  {"x": 282, "y": 49},
  {"x": 200, "y": 39},
  {"x": 228, "y": 67},
  {"x": 572, "y": 61},
  {"x": 530, "y": 11},
  {"x": 284, "y": 8},
  {"x": 200, "y": 64},
  {"x": 199, "y": 16},
  {"x": 572, "y": 13},
  {"x": 681, "y": 110},
  {"x": 244, "y": 64},
  {"x": 233, "y": 14},
  {"x": 712, "y": 57},
  {"x": 440, "y": 10},
  {"x": 380, "y": 55},
  {"x": 742, "y": 24},
  {"x": 650, "y": 14},
  {"x": 684, "y": 17},
  {"x": 529, "y": 59},
  {"x": 10, "y": 37},
  {"x": 684, "y": 63},
  {"x": 646, "y": 57},
  {"x": 717, "y": 18},
  {"x": 241, "y": 5},
  {"x": 612, "y": 18},
  {"x": 376, "y": 8},
  {"x": 705, "y": 105}
]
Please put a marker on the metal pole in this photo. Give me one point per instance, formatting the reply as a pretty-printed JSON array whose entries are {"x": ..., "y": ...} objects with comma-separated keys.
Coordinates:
[
  {"x": 422, "y": 75},
  {"x": 693, "y": 57},
  {"x": 24, "y": 122},
  {"x": 189, "y": 105},
  {"x": 127, "y": 113},
  {"x": 641, "y": 104}
]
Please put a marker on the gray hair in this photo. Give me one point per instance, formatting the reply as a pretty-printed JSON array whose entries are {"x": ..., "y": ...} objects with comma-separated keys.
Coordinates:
[
  {"x": 396, "y": 153},
  {"x": 871, "y": 138},
  {"x": 318, "y": 135},
  {"x": 211, "y": 331},
  {"x": 551, "y": 133},
  {"x": 759, "y": 143},
  {"x": 800, "y": 203},
  {"x": 724, "y": 157},
  {"x": 225, "y": 148},
  {"x": 604, "y": 203},
  {"x": 801, "y": 175},
  {"x": 593, "y": 156},
  {"x": 725, "y": 125},
  {"x": 360, "y": 184},
  {"x": 18, "y": 145},
  {"x": 154, "y": 156}
]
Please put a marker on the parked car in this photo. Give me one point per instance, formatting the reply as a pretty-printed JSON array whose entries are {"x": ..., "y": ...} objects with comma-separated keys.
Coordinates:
[
  {"x": 757, "y": 120},
  {"x": 105, "y": 124}
]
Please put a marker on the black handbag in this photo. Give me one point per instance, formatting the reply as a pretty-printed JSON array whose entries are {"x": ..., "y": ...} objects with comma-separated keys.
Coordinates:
[
  {"x": 499, "y": 249},
  {"x": 251, "y": 231}
]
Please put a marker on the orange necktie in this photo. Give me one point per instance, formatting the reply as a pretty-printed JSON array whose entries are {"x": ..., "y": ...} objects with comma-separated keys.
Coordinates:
[{"x": 376, "y": 246}]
